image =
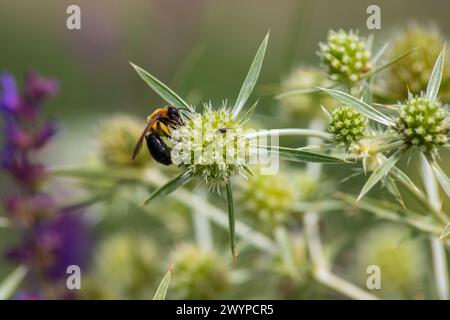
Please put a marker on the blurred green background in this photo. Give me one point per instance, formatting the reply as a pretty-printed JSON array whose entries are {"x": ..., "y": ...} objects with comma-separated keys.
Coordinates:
[
  {"x": 92, "y": 63},
  {"x": 202, "y": 49}
]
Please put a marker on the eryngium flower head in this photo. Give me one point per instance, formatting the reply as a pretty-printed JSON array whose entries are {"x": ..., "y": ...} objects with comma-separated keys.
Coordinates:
[
  {"x": 305, "y": 78},
  {"x": 211, "y": 145},
  {"x": 421, "y": 123},
  {"x": 129, "y": 259},
  {"x": 200, "y": 274},
  {"x": 345, "y": 56},
  {"x": 269, "y": 198},
  {"x": 117, "y": 137},
  {"x": 401, "y": 260},
  {"x": 347, "y": 125},
  {"x": 411, "y": 73}
]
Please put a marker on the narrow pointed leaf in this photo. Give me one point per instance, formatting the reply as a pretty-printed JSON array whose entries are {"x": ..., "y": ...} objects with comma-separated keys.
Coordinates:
[
  {"x": 163, "y": 286},
  {"x": 387, "y": 65},
  {"x": 170, "y": 187},
  {"x": 249, "y": 113},
  {"x": 389, "y": 211},
  {"x": 298, "y": 155},
  {"x": 252, "y": 77},
  {"x": 231, "y": 219},
  {"x": 12, "y": 282},
  {"x": 403, "y": 177},
  {"x": 436, "y": 76},
  {"x": 379, "y": 53},
  {"x": 379, "y": 173},
  {"x": 441, "y": 177},
  {"x": 445, "y": 233},
  {"x": 362, "y": 107},
  {"x": 298, "y": 92},
  {"x": 160, "y": 88},
  {"x": 392, "y": 188}
]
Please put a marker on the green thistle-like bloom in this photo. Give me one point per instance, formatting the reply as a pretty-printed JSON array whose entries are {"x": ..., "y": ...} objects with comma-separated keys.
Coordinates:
[
  {"x": 125, "y": 267},
  {"x": 305, "y": 78},
  {"x": 421, "y": 123},
  {"x": 345, "y": 56},
  {"x": 347, "y": 125},
  {"x": 198, "y": 274},
  {"x": 211, "y": 145},
  {"x": 411, "y": 73},
  {"x": 268, "y": 197},
  {"x": 116, "y": 139},
  {"x": 401, "y": 260}
]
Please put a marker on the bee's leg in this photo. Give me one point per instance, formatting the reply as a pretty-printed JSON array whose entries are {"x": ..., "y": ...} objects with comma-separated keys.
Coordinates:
[{"x": 164, "y": 129}]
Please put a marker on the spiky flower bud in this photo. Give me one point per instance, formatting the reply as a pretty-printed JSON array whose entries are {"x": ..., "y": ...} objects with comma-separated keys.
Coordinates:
[
  {"x": 421, "y": 123},
  {"x": 347, "y": 125},
  {"x": 345, "y": 56},
  {"x": 268, "y": 198},
  {"x": 131, "y": 260},
  {"x": 116, "y": 139},
  {"x": 305, "y": 78},
  {"x": 400, "y": 259},
  {"x": 211, "y": 145},
  {"x": 412, "y": 72},
  {"x": 198, "y": 274}
]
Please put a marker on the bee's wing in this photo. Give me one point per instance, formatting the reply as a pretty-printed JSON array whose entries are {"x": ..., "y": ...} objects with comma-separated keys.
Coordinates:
[{"x": 138, "y": 145}]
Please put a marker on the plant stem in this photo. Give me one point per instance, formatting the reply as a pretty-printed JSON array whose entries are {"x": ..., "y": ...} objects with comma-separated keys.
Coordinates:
[
  {"x": 322, "y": 271},
  {"x": 440, "y": 266},
  {"x": 218, "y": 216},
  {"x": 422, "y": 199},
  {"x": 290, "y": 132},
  {"x": 202, "y": 227}
]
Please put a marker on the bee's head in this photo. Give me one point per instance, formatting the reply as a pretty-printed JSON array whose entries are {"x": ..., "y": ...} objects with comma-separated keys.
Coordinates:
[{"x": 174, "y": 116}]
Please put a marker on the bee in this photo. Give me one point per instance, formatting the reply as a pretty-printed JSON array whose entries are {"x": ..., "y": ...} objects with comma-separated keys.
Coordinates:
[{"x": 158, "y": 125}]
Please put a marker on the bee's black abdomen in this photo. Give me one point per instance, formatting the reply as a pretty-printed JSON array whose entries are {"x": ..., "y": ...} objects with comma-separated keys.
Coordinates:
[{"x": 158, "y": 149}]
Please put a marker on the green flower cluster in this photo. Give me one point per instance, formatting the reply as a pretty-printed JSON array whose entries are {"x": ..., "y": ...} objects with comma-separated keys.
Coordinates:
[
  {"x": 125, "y": 267},
  {"x": 345, "y": 56},
  {"x": 268, "y": 197},
  {"x": 411, "y": 73},
  {"x": 116, "y": 139},
  {"x": 198, "y": 274},
  {"x": 211, "y": 145},
  {"x": 347, "y": 125},
  {"x": 421, "y": 123},
  {"x": 400, "y": 259},
  {"x": 298, "y": 104}
]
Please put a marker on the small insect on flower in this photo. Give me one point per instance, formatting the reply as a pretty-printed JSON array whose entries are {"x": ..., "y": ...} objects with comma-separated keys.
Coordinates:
[{"x": 158, "y": 125}]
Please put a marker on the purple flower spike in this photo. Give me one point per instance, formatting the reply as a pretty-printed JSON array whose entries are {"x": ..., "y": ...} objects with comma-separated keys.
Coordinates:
[
  {"x": 39, "y": 88},
  {"x": 55, "y": 245},
  {"x": 45, "y": 134},
  {"x": 9, "y": 96}
]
